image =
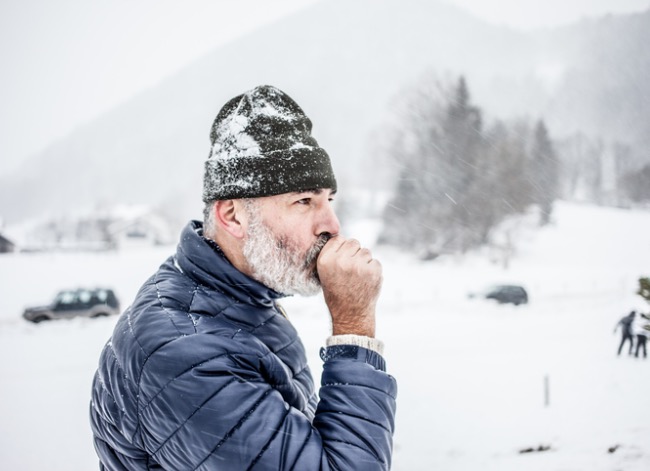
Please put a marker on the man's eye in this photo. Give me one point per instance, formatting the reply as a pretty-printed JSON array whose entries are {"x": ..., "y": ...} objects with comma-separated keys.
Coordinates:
[{"x": 304, "y": 201}]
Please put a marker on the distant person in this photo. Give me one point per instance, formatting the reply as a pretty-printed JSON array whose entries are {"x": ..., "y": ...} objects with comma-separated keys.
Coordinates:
[
  {"x": 205, "y": 370},
  {"x": 641, "y": 328},
  {"x": 626, "y": 331}
]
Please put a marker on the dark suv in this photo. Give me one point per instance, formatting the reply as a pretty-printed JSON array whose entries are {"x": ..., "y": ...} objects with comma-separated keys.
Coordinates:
[
  {"x": 80, "y": 302},
  {"x": 504, "y": 294}
]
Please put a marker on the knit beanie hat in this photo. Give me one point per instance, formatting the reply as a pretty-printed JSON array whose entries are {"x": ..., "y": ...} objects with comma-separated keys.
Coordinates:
[{"x": 262, "y": 146}]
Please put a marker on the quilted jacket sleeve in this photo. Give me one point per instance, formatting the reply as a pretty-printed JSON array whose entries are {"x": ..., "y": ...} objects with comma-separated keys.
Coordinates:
[{"x": 223, "y": 413}]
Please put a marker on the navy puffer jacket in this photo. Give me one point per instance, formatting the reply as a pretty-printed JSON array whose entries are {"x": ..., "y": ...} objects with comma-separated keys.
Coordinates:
[{"x": 203, "y": 371}]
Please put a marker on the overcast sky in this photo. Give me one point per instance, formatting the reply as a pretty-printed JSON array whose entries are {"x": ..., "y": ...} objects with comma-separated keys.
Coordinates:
[{"x": 67, "y": 61}]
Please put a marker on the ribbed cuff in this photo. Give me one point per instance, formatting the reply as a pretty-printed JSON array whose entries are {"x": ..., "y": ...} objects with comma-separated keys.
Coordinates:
[
  {"x": 368, "y": 343},
  {"x": 353, "y": 352}
]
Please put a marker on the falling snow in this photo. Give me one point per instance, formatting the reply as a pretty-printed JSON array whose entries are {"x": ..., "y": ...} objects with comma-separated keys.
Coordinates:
[{"x": 481, "y": 386}]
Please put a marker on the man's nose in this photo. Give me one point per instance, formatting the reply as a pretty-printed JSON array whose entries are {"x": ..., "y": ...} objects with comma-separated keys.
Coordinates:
[{"x": 327, "y": 220}]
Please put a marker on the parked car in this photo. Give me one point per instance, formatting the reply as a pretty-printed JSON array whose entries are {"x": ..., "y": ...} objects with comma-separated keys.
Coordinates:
[
  {"x": 82, "y": 302},
  {"x": 504, "y": 294}
]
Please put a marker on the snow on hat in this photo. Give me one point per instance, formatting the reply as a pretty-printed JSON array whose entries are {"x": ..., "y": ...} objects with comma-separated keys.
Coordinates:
[{"x": 262, "y": 146}]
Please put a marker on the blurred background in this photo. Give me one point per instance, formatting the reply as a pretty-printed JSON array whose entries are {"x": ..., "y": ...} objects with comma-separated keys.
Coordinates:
[
  {"x": 476, "y": 143},
  {"x": 476, "y": 109}
]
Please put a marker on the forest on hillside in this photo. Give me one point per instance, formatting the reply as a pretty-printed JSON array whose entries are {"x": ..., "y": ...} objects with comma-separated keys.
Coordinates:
[{"x": 458, "y": 176}]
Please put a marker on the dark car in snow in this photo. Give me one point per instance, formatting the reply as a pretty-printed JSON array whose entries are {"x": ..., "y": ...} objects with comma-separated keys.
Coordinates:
[
  {"x": 504, "y": 294},
  {"x": 81, "y": 302}
]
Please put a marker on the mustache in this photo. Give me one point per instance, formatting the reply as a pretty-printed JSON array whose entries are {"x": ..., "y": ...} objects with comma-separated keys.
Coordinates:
[{"x": 314, "y": 251}]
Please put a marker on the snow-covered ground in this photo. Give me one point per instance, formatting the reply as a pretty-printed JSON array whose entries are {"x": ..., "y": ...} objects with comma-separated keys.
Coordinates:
[{"x": 472, "y": 375}]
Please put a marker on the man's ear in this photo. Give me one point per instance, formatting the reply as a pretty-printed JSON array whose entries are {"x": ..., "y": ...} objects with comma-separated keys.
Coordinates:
[{"x": 230, "y": 216}]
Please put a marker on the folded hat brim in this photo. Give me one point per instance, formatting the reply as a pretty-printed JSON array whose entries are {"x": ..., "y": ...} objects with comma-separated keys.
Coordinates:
[{"x": 274, "y": 173}]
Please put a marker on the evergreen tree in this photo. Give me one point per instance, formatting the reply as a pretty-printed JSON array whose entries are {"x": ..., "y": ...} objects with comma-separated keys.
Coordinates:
[
  {"x": 545, "y": 173},
  {"x": 636, "y": 185},
  {"x": 462, "y": 143},
  {"x": 644, "y": 288},
  {"x": 456, "y": 181}
]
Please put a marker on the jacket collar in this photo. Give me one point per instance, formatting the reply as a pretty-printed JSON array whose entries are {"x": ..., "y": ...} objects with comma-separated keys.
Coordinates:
[{"x": 203, "y": 260}]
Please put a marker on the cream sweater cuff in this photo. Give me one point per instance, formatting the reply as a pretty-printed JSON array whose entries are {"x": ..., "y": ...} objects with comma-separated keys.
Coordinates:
[{"x": 358, "y": 341}]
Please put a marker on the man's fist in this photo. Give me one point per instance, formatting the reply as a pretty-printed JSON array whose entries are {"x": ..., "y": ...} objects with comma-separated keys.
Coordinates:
[{"x": 351, "y": 281}]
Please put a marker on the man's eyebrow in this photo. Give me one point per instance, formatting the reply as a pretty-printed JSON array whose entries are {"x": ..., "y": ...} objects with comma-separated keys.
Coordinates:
[{"x": 316, "y": 191}]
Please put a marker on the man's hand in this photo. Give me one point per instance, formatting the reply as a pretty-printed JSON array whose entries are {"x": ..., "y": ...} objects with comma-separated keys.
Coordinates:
[{"x": 351, "y": 281}]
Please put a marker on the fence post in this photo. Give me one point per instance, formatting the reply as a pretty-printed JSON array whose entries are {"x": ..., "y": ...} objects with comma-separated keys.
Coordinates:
[{"x": 547, "y": 391}]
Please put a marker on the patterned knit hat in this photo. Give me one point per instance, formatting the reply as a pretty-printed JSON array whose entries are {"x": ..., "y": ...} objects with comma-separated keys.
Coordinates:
[{"x": 262, "y": 146}]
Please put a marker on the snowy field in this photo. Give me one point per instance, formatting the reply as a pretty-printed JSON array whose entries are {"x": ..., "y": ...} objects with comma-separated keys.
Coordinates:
[{"x": 471, "y": 374}]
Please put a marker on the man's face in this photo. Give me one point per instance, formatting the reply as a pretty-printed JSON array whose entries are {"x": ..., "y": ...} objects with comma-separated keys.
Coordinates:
[{"x": 284, "y": 237}]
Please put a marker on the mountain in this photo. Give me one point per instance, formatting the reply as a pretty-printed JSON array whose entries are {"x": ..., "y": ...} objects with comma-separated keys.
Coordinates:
[
  {"x": 605, "y": 90},
  {"x": 343, "y": 61}
]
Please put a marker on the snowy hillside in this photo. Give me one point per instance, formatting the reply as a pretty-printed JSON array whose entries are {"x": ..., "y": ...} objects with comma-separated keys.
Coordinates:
[
  {"x": 345, "y": 62},
  {"x": 471, "y": 374}
]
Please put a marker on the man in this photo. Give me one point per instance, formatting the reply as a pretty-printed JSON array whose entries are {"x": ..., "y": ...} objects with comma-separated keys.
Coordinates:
[
  {"x": 641, "y": 328},
  {"x": 626, "y": 331},
  {"x": 204, "y": 370}
]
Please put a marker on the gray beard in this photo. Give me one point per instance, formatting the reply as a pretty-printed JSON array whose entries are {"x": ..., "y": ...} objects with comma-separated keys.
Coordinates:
[{"x": 276, "y": 263}]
